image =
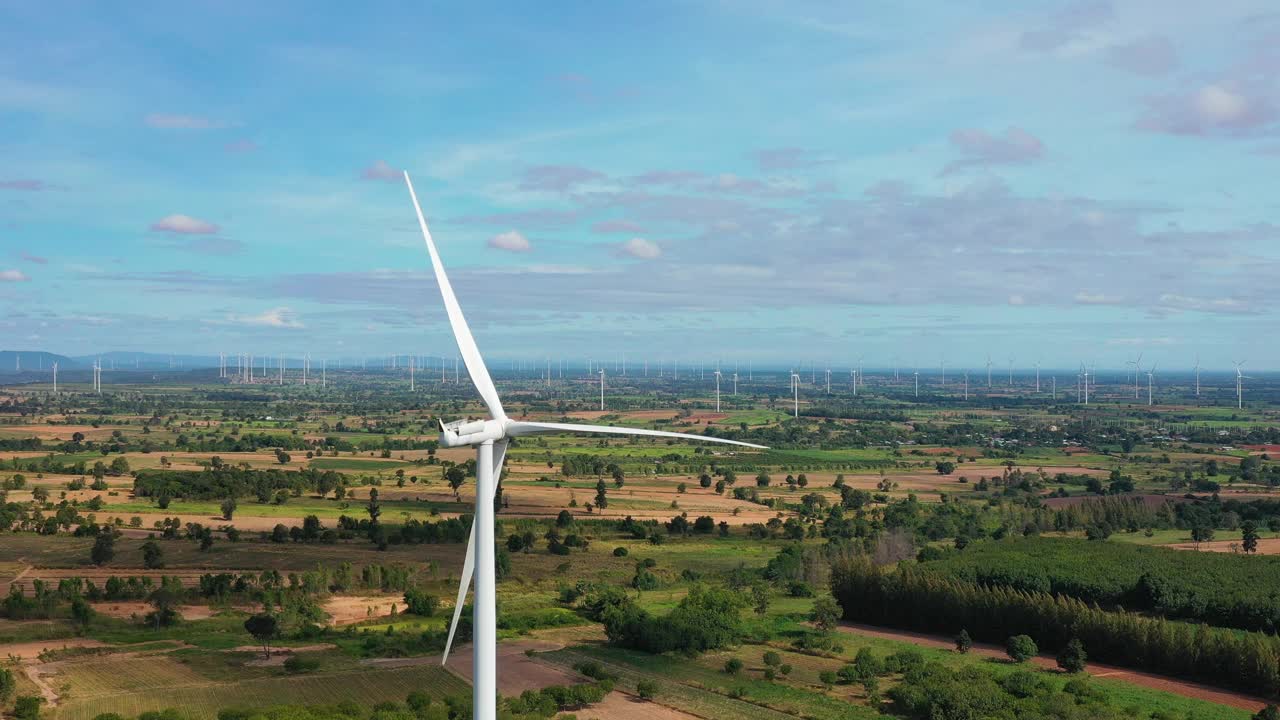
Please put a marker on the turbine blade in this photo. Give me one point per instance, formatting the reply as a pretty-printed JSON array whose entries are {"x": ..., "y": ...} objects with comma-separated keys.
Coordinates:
[
  {"x": 469, "y": 564},
  {"x": 520, "y": 427},
  {"x": 461, "y": 332}
]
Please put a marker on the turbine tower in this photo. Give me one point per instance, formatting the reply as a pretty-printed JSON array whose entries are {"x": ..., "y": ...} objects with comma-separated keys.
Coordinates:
[
  {"x": 601, "y": 388},
  {"x": 1240, "y": 377},
  {"x": 55, "y": 378},
  {"x": 795, "y": 393},
  {"x": 988, "y": 372},
  {"x": 1197, "y": 368},
  {"x": 1151, "y": 375},
  {"x": 490, "y": 438},
  {"x": 717, "y": 374}
]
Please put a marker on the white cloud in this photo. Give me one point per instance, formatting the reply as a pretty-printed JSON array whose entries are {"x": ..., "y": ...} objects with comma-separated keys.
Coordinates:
[
  {"x": 1220, "y": 105},
  {"x": 380, "y": 170},
  {"x": 640, "y": 248},
  {"x": 281, "y": 317},
  {"x": 170, "y": 121},
  {"x": 1084, "y": 298},
  {"x": 13, "y": 276},
  {"x": 184, "y": 225},
  {"x": 511, "y": 241}
]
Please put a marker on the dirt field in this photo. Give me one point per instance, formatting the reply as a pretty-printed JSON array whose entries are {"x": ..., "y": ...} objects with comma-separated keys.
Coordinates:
[
  {"x": 517, "y": 672},
  {"x": 32, "y": 650},
  {"x": 127, "y": 610},
  {"x": 1266, "y": 546},
  {"x": 345, "y": 610},
  {"x": 1155, "y": 682}
]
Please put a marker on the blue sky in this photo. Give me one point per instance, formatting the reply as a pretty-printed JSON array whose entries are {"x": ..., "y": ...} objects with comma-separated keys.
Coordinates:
[{"x": 776, "y": 182}]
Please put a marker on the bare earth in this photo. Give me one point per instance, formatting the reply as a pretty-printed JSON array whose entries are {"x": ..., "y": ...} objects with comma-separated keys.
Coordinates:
[
  {"x": 518, "y": 672},
  {"x": 1266, "y": 546},
  {"x": 1184, "y": 688}
]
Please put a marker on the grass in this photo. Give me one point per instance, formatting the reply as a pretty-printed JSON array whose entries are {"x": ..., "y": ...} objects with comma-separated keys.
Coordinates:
[{"x": 197, "y": 698}]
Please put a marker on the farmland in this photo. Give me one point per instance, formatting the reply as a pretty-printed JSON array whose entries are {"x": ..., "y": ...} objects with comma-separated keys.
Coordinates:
[{"x": 175, "y": 514}]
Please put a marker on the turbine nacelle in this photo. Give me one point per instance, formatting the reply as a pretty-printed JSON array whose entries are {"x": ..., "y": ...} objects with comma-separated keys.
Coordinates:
[{"x": 463, "y": 433}]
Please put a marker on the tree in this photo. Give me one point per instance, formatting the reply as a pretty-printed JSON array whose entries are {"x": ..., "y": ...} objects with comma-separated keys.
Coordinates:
[
  {"x": 1270, "y": 712},
  {"x": 420, "y": 603},
  {"x": 1202, "y": 533},
  {"x": 163, "y": 601},
  {"x": 647, "y": 689},
  {"x": 119, "y": 466},
  {"x": 152, "y": 555},
  {"x": 104, "y": 548},
  {"x": 704, "y": 480},
  {"x": 228, "y": 508},
  {"x": 760, "y": 598},
  {"x": 455, "y": 475},
  {"x": 602, "y": 499},
  {"x": 1249, "y": 536},
  {"x": 7, "y": 684},
  {"x": 1021, "y": 648},
  {"x": 263, "y": 628},
  {"x": 27, "y": 707},
  {"x": 963, "y": 642},
  {"x": 81, "y": 613},
  {"x": 733, "y": 666},
  {"x": 944, "y": 467},
  {"x": 1072, "y": 656},
  {"x": 763, "y": 479},
  {"x": 826, "y": 613}
]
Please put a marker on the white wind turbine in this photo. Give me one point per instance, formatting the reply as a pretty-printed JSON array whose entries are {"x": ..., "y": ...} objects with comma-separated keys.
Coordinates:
[
  {"x": 1137, "y": 370},
  {"x": 795, "y": 392},
  {"x": 1197, "y": 369},
  {"x": 490, "y": 439},
  {"x": 55, "y": 378},
  {"x": 1151, "y": 379},
  {"x": 1240, "y": 378},
  {"x": 717, "y": 373},
  {"x": 601, "y": 389},
  {"x": 988, "y": 372}
]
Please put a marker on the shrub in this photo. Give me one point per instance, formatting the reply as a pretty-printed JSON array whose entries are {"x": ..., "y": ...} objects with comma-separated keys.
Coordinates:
[
  {"x": 1071, "y": 657},
  {"x": 733, "y": 666},
  {"x": 963, "y": 642},
  {"x": 301, "y": 664},
  {"x": 647, "y": 689},
  {"x": 772, "y": 659},
  {"x": 619, "y": 552},
  {"x": 1021, "y": 648}
]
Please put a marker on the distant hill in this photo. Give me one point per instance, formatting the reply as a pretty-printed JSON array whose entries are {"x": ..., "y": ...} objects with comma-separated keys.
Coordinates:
[{"x": 13, "y": 362}]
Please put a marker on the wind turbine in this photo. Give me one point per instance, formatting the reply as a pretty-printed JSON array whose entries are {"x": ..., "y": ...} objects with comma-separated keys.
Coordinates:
[
  {"x": 1137, "y": 368},
  {"x": 966, "y": 386},
  {"x": 1151, "y": 375},
  {"x": 1037, "y": 377},
  {"x": 1010, "y": 371},
  {"x": 1240, "y": 377},
  {"x": 601, "y": 388},
  {"x": 916, "y": 373},
  {"x": 795, "y": 392},
  {"x": 988, "y": 372},
  {"x": 55, "y": 378},
  {"x": 490, "y": 438},
  {"x": 828, "y": 382},
  {"x": 717, "y": 373},
  {"x": 1197, "y": 368}
]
